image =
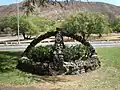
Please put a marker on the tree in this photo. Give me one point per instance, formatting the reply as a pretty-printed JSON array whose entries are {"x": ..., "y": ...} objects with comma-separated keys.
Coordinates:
[
  {"x": 116, "y": 25},
  {"x": 4, "y": 25},
  {"x": 43, "y": 24},
  {"x": 26, "y": 27},
  {"x": 86, "y": 24}
]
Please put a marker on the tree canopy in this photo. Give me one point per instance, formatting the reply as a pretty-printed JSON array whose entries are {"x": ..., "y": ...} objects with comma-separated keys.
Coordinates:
[
  {"x": 116, "y": 25},
  {"x": 28, "y": 26},
  {"x": 86, "y": 24}
]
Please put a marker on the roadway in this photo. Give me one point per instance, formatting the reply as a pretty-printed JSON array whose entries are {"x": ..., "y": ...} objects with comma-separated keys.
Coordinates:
[{"x": 96, "y": 44}]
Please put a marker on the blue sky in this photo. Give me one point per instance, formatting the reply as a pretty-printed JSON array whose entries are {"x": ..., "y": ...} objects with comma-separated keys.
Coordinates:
[
  {"x": 7, "y": 2},
  {"x": 115, "y": 2}
]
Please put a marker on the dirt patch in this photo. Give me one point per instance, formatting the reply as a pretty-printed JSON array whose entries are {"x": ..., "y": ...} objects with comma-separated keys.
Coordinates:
[{"x": 101, "y": 79}]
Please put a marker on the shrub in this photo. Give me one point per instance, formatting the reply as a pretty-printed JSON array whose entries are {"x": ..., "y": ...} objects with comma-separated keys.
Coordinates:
[
  {"x": 43, "y": 53},
  {"x": 40, "y": 59},
  {"x": 73, "y": 52}
]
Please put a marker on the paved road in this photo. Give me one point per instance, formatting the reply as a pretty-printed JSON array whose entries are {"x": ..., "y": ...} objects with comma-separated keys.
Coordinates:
[{"x": 23, "y": 46}]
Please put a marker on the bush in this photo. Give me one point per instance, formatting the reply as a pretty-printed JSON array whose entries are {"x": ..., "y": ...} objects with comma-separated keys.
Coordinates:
[
  {"x": 74, "y": 52},
  {"x": 43, "y": 53},
  {"x": 40, "y": 60}
]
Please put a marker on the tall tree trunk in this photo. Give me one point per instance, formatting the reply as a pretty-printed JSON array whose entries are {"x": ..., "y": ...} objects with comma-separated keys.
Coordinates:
[{"x": 24, "y": 35}]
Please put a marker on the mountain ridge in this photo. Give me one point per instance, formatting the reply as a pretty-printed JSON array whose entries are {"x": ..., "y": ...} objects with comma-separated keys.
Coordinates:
[{"x": 56, "y": 12}]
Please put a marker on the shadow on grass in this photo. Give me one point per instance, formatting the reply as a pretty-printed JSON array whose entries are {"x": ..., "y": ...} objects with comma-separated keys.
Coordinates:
[{"x": 8, "y": 62}]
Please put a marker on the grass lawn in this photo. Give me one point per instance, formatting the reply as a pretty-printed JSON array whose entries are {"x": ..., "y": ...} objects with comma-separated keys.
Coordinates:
[
  {"x": 105, "y": 78},
  {"x": 8, "y": 72}
]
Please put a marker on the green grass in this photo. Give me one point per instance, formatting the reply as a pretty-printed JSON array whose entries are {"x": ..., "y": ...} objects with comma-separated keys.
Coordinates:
[
  {"x": 110, "y": 56},
  {"x": 109, "y": 73},
  {"x": 8, "y": 72},
  {"x": 105, "y": 78}
]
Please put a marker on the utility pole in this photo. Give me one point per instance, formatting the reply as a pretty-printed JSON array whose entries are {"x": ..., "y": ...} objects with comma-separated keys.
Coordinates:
[{"x": 18, "y": 21}]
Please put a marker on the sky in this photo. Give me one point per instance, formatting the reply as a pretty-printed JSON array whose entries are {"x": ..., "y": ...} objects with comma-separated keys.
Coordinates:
[
  {"x": 7, "y": 2},
  {"x": 115, "y": 2}
]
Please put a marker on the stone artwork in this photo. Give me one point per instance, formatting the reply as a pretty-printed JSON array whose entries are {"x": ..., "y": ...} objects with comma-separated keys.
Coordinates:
[
  {"x": 74, "y": 67},
  {"x": 59, "y": 66},
  {"x": 58, "y": 51}
]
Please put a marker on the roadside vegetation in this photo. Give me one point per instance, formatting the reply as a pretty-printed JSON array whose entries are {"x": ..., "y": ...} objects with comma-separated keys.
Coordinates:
[
  {"x": 28, "y": 26},
  {"x": 86, "y": 24},
  {"x": 116, "y": 25},
  {"x": 82, "y": 23}
]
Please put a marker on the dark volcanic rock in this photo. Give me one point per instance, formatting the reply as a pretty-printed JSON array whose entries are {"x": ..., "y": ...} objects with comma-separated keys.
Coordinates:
[{"x": 58, "y": 65}]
